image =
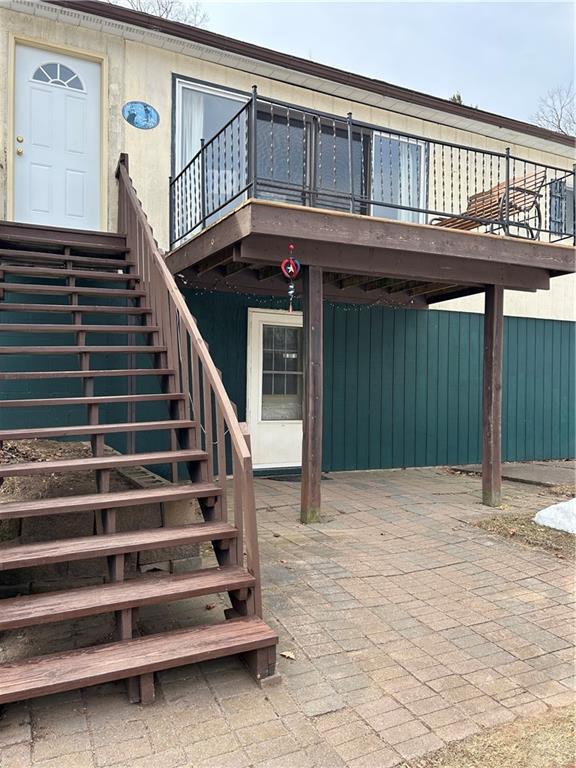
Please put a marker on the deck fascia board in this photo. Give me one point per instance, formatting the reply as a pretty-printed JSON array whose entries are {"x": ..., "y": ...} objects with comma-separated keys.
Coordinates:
[
  {"x": 231, "y": 229},
  {"x": 372, "y": 232},
  {"x": 362, "y": 245}
]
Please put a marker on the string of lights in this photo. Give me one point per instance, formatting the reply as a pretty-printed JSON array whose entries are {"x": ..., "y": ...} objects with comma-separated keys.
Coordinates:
[
  {"x": 223, "y": 286},
  {"x": 265, "y": 301}
]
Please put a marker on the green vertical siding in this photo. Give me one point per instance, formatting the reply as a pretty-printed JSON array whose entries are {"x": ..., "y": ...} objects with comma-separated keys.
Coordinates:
[
  {"x": 409, "y": 393},
  {"x": 46, "y": 416},
  {"x": 538, "y": 389},
  {"x": 403, "y": 387}
]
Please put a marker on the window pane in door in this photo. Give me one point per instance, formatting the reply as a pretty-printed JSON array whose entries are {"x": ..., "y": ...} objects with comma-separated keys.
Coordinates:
[
  {"x": 398, "y": 177},
  {"x": 561, "y": 208},
  {"x": 203, "y": 114},
  {"x": 281, "y": 373},
  {"x": 281, "y": 148},
  {"x": 332, "y": 167}
]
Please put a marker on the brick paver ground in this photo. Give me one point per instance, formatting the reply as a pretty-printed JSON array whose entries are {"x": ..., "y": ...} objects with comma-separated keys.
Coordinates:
[{"x": 410, "y": 629}]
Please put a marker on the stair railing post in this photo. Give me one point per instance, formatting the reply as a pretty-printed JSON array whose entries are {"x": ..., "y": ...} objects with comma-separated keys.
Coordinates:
[
  {"x": 122, "y": 202},
  {"x": 248, "y": 503},
  {"x": 238, "y": 484}
]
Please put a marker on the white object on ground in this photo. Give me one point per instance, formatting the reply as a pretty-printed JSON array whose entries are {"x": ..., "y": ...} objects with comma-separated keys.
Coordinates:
[{"x": 560, "y": 516}]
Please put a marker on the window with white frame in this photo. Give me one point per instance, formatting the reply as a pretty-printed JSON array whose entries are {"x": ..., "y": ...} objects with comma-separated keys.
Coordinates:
[
  {"x": 561, "y": 208},
  {"x": 201, "y": 111},
  {"x": 398, "y": 177}
]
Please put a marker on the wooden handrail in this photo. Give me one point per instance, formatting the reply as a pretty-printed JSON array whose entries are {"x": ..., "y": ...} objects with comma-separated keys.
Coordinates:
[
  {"x": 196, "y": 375},
  {"x": 186, "y": 317}
]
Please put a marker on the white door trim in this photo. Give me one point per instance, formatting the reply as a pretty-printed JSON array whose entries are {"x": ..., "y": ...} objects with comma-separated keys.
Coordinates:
[
  {"x": 66, "y": 50},
  {"x": 254, "y": 360}
]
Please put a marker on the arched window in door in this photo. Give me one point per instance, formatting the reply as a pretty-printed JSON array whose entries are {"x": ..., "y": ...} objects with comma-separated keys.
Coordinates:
[{"x": 58, "y": 74}]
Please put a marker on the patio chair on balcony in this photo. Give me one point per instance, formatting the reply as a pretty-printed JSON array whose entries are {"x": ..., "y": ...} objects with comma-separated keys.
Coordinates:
[{"x": 499, "y": 209}]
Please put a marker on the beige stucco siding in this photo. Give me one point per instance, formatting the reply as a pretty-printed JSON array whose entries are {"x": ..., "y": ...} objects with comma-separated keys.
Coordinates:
[
  {"x": 137, "y": 70},
  {"x": 559, "y": 303}
]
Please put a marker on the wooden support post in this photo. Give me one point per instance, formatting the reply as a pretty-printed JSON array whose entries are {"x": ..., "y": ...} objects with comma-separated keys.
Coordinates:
[
  {"x": 492, "y": 397},
  {"x": 312, "y": 408},
  {"x": 147, "y": 694}
]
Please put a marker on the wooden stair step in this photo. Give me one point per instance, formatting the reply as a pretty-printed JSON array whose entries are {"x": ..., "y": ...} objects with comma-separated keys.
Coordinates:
[
  {"x": 32, "y": 375},
  {"x": 113, "y": 500},
  {"x": 106, "y": 545},
  {"x": 89, "y": 309},
  {"x": 57, "y": 258},
  {"x": 94, "y": 429},
  {"x": 80, "y": 274},
  {"x": 101, "y": 462},
  {"x": 111, "y": 293},
  {"x": 44, "y": 241},
  {"x": 49, "y": 607},
  {"x": 72, "y": 328},
  {"x": 94, "y": 400},
  {"x": 101, "y": 664},
  {"x": 143, "y": 349}
]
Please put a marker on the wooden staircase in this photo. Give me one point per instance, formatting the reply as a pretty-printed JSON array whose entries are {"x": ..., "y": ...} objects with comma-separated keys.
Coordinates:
[{"x": 119, "y": 318}]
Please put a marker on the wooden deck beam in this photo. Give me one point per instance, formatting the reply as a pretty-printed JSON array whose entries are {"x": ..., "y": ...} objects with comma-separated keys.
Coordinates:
[
  {"x": 267, "y": 273},
  {"x": 220, "y": 259},
  {"x": 492, "y": 397},
  {"x": 233, "y": 268},
  {"x": 247, "y": 281},
  {"x": 407, "y": 265},
  {"x": 311, "y": 497}
]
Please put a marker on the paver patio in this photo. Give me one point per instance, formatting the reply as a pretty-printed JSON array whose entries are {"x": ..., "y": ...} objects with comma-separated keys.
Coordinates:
[{"x": 409, "y": 628}]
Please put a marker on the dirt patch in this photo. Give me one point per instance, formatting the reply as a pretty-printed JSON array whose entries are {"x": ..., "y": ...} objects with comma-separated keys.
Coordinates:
[
  {"x": 545, "y": 742},
  {"x": 47, "y": 486},
  {"x": 32, "y": 487},
  {"x": 520, "y": 527}
]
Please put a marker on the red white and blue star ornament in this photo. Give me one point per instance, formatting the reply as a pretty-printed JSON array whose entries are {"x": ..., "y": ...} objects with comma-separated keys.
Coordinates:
[{"x": 290, "y": 269}]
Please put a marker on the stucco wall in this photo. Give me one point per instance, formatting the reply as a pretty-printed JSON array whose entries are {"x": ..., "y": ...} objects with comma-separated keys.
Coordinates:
[
  {"x": 559, "y": 303},
  {"x": 137, "y": 70}
]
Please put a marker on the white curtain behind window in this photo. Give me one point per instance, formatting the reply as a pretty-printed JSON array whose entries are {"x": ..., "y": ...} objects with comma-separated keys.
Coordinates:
[
  {"x": 398, "y": 177},
  {"x": 191, "y": 124}
]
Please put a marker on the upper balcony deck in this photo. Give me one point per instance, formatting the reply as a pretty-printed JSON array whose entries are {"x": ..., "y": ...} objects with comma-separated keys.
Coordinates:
[
  {"x": 275, "y": 151},
  {"x": 421, "y": 196}
]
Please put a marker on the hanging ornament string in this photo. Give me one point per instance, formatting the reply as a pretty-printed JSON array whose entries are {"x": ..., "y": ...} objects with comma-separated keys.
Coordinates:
[{"x": 290, "y": 269}]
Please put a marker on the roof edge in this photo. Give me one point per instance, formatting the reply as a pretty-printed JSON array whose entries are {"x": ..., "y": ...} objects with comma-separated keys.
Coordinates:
[{"x": 231, "y": 45}]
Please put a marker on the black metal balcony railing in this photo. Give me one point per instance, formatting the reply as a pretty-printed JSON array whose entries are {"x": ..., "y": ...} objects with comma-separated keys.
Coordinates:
[{"x": 279, "y": 152}]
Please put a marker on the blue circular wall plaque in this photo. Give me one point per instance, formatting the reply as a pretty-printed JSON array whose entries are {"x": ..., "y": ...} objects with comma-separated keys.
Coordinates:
[{"x": 140, "y": 115}]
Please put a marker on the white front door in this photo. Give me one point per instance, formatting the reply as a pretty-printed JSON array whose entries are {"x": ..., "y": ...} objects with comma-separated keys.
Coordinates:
[
  {"x": 274, "y": 387},
  {"x": 56, "y": 139}
]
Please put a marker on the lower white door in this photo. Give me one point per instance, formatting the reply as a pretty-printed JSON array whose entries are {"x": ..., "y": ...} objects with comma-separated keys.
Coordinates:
[
  {"x": 274, "y": 387},
  {"x": 57, "y": 137}
]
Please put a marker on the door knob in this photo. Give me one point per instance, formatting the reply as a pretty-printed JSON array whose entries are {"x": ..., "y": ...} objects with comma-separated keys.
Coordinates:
[
  {"x": 19, "y": 151},
  {"x": 19, "y": 139}
]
